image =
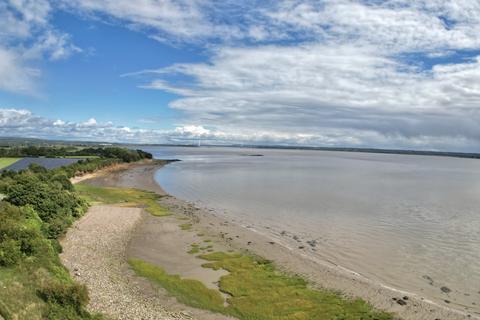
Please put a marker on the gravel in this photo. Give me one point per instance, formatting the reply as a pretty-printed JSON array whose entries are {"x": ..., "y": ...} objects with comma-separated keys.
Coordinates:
[{"x": 94, "y": 252}]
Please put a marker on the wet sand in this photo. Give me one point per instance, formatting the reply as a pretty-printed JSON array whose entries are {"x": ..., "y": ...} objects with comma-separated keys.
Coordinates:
[{"x": 159, "y": 241}]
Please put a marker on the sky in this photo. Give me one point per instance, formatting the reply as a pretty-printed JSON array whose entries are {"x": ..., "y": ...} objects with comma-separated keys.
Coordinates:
[{"x": 347, "y": 73}]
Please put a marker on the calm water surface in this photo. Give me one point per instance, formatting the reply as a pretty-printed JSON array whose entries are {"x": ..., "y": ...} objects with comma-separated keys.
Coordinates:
[{"x": 398, "y": 219}]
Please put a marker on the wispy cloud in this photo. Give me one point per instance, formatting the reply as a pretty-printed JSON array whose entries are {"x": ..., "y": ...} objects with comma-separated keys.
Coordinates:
[{"x": 27, "y": 36}]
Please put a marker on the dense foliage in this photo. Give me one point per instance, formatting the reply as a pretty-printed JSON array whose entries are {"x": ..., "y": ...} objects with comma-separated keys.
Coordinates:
[
  {"x": 50, "y": 194},
  {"x": 122, "y": 154},
  {"x": 37, "y": 207}
]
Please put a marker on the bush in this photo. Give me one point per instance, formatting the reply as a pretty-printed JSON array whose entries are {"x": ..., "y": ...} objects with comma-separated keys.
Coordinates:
[
  {"x": 10, "y": 252},
  {"x": 55, "y": 204},
  {"x": 19, "y": 234},
  {"x": 64, "y": 294}
]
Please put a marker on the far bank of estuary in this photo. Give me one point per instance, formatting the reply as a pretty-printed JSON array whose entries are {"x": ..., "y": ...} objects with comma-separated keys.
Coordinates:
[{"x": 407, "y": 222}]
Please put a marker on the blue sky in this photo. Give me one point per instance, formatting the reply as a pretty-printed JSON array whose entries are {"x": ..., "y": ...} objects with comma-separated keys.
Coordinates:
[{"x": 389, "y": 74}]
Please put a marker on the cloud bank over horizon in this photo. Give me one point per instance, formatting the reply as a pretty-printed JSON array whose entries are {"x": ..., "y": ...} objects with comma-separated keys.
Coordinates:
[
  {"x": 361, "y": 73},
  {"x": 24, "y": 123}
]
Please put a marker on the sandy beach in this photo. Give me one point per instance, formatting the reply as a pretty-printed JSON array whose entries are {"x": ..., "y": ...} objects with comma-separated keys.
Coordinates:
[{"x": 96, "y": 249}]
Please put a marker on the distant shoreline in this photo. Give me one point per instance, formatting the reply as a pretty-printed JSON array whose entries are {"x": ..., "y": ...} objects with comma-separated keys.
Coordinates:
[
  {"x": 9, "y": 141},
  {"x": 466, "y": 155}
]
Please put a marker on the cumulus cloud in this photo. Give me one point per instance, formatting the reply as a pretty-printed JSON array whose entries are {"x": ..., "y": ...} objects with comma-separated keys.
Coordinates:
[
  {"x": 330, "y": 93},
  {"x": 24, "y": 123}
]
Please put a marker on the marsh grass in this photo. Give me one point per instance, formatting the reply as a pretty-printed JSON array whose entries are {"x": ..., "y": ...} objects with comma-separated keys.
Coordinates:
[
  {"x": 194, "y": 248},
  {"x": 127, "y": 197},
  {"x": 257, "y": 291},
  {"x": 190, "y": 292}
]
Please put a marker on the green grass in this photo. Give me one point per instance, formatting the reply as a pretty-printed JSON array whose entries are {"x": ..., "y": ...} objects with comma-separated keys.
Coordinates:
[
  {"x": 5, "y": 162},
  {"x": 122, "y": 196},
  {"x": 190, "y": 292},
  {"x": 195, "y": 248},
  {"x": 256, "y": 291},
  {"x": 186, "y": 226}
]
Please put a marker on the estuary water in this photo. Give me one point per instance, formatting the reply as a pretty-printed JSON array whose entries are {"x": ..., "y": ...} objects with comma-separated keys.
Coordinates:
[{"x": 409, "y": 222}]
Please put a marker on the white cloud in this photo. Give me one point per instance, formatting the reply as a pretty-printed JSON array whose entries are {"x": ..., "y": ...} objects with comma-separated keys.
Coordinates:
[
  {"x": 17, "y": 122},
  {"x": 330, "y": 94},
  {"x": 27, "y": 36},
  {"x": 394, "y": 25},
  {"x": 304, "y": 71},
  {"x": 15, "y": 75}
]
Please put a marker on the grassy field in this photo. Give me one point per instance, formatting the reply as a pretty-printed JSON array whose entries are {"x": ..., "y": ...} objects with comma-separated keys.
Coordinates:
[
  {"x": 257, "y": 290},
  {"x": 122, "y": 196},
  {"x": 5, "y": 162}
]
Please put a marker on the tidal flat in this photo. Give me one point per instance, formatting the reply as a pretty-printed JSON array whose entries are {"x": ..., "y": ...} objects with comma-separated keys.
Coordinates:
[{"x": 151, "y": 243}]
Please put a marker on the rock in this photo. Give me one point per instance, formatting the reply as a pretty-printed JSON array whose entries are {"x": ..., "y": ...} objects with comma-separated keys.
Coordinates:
[
  {"x": 401, "y": 302},
  {"x": 271, "y": 242},
  {"x": 312, "y": 243},
  {"x": 429, "y": 279},
  {"x": 301, "y": 247},
  {"x": 445, "y": 289},
  {"x": 405, "y": 298},
  {"x": 249, "y": 243},
  {"x": 446, "y": 301}
]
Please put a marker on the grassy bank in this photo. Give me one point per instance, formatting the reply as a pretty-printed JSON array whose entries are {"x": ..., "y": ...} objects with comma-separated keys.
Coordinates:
[
  {"x": 123, "y": 197},
  {"x": 256, "y": 290}
]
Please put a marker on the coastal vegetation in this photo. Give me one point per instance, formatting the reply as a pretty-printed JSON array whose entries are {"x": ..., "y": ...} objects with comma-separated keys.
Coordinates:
[
  {"x": 256, "y": 290},
  {"x": 127, "y": 197},
  {"x": 37, "y": 207}
]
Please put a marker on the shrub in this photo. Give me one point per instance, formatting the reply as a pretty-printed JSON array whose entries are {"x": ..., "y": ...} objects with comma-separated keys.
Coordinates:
[
  {"x": 64, "y": 294},
  {"x": 19, "y": 236},
  {"x": 10, "y": 252}
]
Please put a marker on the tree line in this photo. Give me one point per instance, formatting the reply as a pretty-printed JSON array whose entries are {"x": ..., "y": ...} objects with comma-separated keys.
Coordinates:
[{"x": 124, "y": 154}]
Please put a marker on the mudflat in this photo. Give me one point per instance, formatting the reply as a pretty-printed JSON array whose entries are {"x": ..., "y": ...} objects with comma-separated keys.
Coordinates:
[{"x": 160, "y": 241}]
